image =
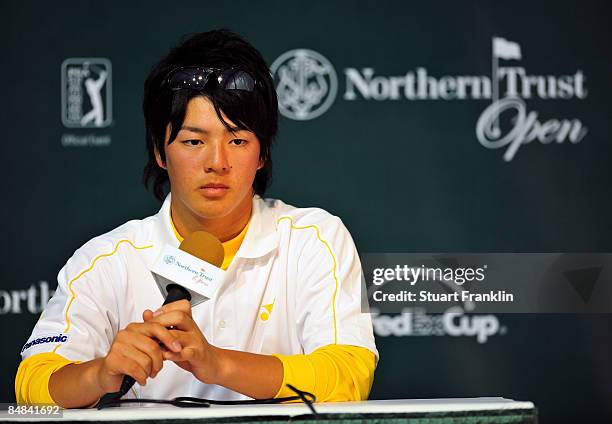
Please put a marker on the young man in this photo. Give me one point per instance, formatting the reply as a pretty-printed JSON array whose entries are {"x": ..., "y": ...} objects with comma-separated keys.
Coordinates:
[{"x": 289, "y": 311}]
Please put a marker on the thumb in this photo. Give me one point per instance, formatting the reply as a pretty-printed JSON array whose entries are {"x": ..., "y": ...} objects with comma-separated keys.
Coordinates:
[{"x": 147, "y": 315}]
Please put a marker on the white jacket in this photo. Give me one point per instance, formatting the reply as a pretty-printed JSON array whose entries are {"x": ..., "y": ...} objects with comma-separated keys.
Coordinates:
[{"x": 293, "y": 286}]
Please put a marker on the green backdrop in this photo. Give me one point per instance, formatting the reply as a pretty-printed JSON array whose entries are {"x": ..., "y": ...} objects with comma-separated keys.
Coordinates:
[{"x": 404, "y": 174}]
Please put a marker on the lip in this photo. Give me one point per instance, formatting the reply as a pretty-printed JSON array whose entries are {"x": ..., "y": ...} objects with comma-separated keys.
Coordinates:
[
  {"x": 214, "y": 190},
  {"x": 214, "y": 185}
]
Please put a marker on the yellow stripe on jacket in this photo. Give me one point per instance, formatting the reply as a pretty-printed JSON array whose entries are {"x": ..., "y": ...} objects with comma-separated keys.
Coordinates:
[{"x": 333, "y": 373}]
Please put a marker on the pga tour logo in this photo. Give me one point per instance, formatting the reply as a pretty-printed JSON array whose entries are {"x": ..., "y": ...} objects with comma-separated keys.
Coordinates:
[
  {"x": 306, "y": 85},
  {"x": 86, "y": 93}
]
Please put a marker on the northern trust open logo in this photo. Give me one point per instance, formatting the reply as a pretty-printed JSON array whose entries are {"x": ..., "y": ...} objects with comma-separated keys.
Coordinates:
[{"x": 505, "y": 124}]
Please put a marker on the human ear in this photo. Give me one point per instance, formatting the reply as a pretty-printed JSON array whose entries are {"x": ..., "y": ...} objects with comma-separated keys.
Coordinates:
[{"x": 159, "y": 160}]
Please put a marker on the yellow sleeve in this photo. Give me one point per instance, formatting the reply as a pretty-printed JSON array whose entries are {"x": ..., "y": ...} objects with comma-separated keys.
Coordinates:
[
  {"x": 333, "y": 373},
  {"x": 32, "y": 380}
]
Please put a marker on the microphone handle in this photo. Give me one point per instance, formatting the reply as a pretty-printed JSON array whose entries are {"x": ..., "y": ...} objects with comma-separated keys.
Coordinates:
[{"x": 175, "y": 292}]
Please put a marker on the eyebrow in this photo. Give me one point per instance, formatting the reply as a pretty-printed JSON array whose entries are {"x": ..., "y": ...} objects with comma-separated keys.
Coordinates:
[{"x": 203, "y": 131}]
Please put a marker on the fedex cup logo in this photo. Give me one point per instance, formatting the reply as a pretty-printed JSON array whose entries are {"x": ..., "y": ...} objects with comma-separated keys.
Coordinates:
[
  {"x": 306, "y": 84},
  {"x": 454, "y": 322}
]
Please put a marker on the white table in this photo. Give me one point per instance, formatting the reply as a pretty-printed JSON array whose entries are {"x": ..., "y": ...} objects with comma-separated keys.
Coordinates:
[{"x": 447, "y": 410}]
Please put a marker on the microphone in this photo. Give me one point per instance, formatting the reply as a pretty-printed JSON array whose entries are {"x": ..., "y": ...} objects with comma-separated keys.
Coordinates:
[
  {"x": 204, "y": 246},
  {"x": 199, "y": 244}
]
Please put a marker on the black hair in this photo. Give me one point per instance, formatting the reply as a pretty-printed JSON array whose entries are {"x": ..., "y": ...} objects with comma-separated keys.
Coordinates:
[{"x": 255, "y": 111}]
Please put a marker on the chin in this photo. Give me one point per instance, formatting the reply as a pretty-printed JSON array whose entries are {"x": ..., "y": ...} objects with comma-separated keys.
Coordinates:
[{"x": 213, "y": 209}]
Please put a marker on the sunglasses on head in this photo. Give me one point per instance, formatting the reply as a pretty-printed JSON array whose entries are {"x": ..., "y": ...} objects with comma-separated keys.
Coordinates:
[{"x": 196, "y": 78}]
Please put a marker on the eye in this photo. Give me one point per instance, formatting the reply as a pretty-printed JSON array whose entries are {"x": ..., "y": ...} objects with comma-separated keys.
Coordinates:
[
  {"x": 238, "y": 142},
  {"x": 193, "y": 142}
]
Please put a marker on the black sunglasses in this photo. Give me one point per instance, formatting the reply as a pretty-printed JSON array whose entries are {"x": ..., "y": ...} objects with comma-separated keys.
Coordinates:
[{"x": 196, "y": 78}]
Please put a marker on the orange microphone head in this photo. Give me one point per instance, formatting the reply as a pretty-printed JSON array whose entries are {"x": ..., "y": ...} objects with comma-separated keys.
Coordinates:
[{"x": 204, "y": 246}]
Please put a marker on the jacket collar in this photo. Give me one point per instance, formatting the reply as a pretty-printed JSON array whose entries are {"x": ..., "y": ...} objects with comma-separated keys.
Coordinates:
[{"x": 261, "y": 237}]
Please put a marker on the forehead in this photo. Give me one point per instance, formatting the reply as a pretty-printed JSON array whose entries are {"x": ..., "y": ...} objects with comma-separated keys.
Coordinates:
[
  {"x": 201, "y": 112},
  {"x": 201, "y": 118}
]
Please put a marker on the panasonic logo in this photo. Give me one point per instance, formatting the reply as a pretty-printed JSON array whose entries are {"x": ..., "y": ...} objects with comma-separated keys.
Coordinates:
[{"x": 60, "y": 338}]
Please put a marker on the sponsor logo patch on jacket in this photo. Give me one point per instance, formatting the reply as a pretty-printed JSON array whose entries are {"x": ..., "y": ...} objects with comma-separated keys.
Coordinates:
[{"x": 58, "y": 338}]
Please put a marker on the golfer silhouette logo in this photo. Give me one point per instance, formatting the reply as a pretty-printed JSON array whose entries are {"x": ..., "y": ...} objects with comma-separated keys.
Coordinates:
[
  {"x": 94, "y": 88},
  {"x": 86, "y": 93}
]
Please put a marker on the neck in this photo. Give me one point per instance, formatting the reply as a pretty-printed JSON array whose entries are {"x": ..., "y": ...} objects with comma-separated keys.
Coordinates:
[{"x": 225, "y": 228}]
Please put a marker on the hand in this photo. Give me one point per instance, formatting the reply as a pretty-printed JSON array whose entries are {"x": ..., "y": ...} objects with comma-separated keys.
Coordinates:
[
  {"x": 135, "y": 352},
  {"x": 197, "y": 356}
]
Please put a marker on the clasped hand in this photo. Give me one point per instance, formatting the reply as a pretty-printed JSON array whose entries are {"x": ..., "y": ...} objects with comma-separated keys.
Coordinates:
[{"x": 170, "y": 333}]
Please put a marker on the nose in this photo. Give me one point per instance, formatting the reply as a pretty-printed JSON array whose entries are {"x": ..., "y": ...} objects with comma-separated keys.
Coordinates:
[{"x": 217, "y": 160}]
